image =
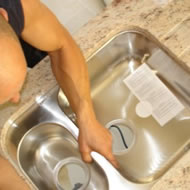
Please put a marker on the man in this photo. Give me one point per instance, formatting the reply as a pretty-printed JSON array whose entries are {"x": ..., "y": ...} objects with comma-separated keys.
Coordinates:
[{"x": 36, "y": 25}]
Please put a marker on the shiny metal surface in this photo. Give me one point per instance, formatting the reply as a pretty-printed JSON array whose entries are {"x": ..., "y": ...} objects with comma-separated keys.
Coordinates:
[
  {"x": 152, "y": 149},
  {"x": 157, "y": 147},
  {"x": 77, "y": 171},
  {"x": 43, "y": 147}
]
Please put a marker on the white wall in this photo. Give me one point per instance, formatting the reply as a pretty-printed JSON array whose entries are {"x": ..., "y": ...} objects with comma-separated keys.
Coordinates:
[{"x": 74, "y": 13}]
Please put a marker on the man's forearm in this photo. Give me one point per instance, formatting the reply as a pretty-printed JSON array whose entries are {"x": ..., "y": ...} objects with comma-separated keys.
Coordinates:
[
  {"x": 70, "y": 70},
  {"x": 44, "y": 32}
]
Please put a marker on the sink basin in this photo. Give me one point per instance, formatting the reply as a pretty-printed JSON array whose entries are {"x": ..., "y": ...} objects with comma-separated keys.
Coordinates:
[
  {"x": 152, "y": 148},
  {"x": 144, "y": 148},
  {"x": 43, "y": 144},
  {"x": 42, "y": 149}
]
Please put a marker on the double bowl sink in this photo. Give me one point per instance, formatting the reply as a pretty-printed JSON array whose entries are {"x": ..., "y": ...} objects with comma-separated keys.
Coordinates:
[{"x": 42, "y": 141}]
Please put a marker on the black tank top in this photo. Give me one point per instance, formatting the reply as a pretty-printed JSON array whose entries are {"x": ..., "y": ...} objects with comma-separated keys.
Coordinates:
[
  {"x": 16, "y": 20},
  {"x": 15, "y": 13}
]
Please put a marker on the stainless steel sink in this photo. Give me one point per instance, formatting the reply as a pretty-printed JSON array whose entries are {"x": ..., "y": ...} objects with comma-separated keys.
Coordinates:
[
  {"x": 41, "y": 139},
  {"x": 41, "y": 151},
  {"x": 144, "y": 149}
]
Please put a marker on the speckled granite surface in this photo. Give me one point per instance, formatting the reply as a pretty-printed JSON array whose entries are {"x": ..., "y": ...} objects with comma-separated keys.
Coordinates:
[{"x": 168, "y": 22}]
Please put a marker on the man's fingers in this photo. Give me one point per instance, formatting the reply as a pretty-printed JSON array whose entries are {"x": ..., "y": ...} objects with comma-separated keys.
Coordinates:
[
  {"x": 115, "y": 163},
  {"x": 112, "y": 160},
  {"x": 86, "y": 157}
]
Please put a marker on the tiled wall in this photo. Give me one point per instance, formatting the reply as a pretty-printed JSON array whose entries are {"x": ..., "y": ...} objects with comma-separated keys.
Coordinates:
[{"x": 74, "y": 13}]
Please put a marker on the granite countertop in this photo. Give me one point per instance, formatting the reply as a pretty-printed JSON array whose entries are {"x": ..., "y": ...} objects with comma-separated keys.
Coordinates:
[{"x": 167, "y": 20}]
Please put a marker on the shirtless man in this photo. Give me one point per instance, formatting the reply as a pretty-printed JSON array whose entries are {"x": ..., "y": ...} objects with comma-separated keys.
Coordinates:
[{"x": 35, "y": 24}]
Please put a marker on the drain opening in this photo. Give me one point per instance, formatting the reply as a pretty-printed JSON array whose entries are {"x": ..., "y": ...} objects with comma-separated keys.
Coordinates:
[
  {"x": 123, "y": 136},
  {"x": 71, "y": 174}
]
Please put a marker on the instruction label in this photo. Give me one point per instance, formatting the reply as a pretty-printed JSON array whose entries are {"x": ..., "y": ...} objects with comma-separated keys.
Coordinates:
[{"x": 147, "y": 87}]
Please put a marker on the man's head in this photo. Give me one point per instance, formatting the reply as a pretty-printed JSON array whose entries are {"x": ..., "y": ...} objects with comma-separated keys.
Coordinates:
[{"x": 12, "y": 62}]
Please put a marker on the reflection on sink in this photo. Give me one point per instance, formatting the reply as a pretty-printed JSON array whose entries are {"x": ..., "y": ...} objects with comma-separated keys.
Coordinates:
[
  {"x": 154, "y": 148},
  {"x": 43, "y": 147},
  {"x": 144, "y": 149}
]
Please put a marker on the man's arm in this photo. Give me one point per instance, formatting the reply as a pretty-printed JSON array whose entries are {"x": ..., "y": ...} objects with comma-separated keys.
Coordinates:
[
  {"x": 9, "y": 177},
  {"x": 43, "y": 31}
]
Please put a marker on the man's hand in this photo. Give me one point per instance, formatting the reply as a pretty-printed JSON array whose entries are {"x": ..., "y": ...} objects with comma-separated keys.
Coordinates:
[{"x": 94, "y": 137}]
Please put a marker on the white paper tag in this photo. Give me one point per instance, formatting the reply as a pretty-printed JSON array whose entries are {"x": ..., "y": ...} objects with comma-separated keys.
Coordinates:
[{"x": 147, "y": 87}]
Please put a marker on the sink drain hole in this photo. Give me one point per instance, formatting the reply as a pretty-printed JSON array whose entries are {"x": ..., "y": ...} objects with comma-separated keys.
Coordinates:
[
  {"x": 71, "y": 174},
  {"x": 122, "y": 134},
  {"x": 122, "y": 137}
]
